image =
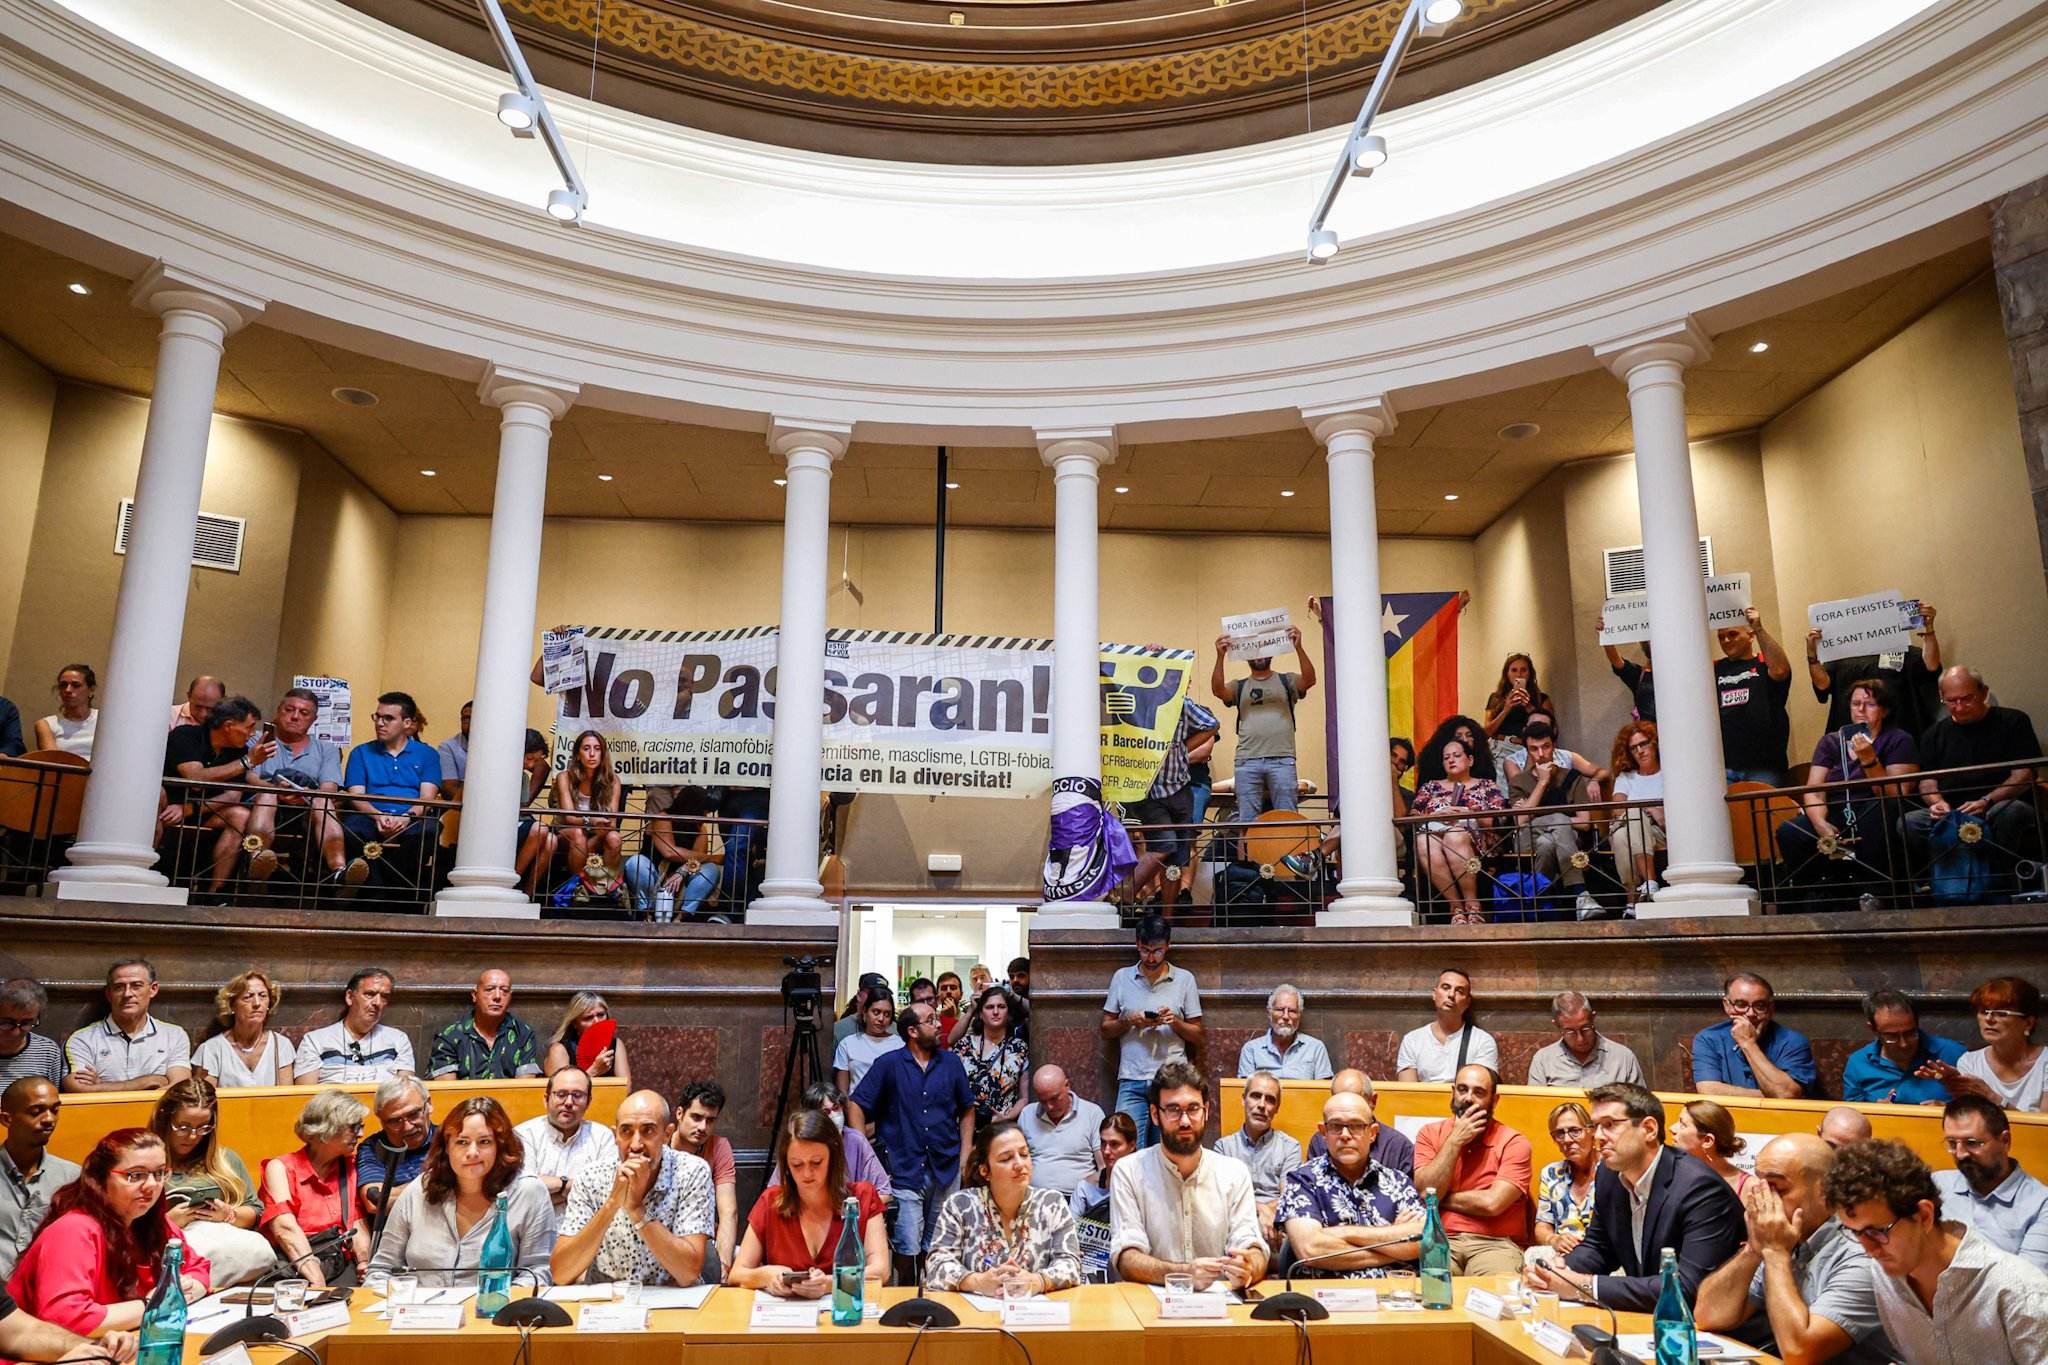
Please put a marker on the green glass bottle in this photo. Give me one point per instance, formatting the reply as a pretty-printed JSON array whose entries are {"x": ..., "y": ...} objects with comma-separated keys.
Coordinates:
[
  {"x": 1436, "y": 1258},
  {"x": 1677, "y": 1341},
  {"x": 162, "y": 1340}
]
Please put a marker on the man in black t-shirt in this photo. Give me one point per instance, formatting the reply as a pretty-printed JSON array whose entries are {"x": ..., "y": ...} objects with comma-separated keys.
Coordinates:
[
  {"x": 219, "y": 751},
  {"x": 1753, "y": 689},
  {"x": 1911, "y": 675},
  {"x": 1973, "y": 733}
]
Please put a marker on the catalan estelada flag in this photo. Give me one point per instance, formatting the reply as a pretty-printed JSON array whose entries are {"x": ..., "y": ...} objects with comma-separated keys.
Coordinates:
[{"x": 1420, "y": 631}]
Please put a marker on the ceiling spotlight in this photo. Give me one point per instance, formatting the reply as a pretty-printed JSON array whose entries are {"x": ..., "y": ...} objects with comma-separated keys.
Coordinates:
[
  {"x": 355, "y": 398},
  {"x": 782, "y": 483},
  {"x": 604, "y": 478},
  {"x": 1450, "y": 497},
  {"x": 519, "y": 112},
  {"x": 1322, "y": 244},
  {"x": 1518, "y": 431},
  {"x": 1759, "y": 348},
  {"x": 1287, "y": 492},
  {"x": 1123, "y": 488},
  {"x": 427, "y": 473},
  {"x": 1443, "y": 11},
  {"x": 79, "y": 289},
  {"x": 566, "y": 205},
  {"x": 1369, "y": 153}
]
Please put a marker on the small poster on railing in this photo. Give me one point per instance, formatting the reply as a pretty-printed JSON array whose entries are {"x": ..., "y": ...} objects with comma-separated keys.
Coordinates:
[
  {"x": 1854, "y": 626},
  {"x": 561, "y": 661}
]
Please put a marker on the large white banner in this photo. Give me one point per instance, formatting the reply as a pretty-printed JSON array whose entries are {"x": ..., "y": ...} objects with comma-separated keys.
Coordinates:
[{"x": 1627, "y": 617}]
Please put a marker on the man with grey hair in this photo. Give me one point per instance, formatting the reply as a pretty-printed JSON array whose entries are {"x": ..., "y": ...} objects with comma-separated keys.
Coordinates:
[
  {"x": 1266, "y": 1151},
  {"x": 1581, "y": 1058},
  {"x": 23, "y": 1051},
  {"x": 397, "y": 1152},
  {"x": 1975, "y": 734},
  {"x": 1391, "y": 1148},
  {"x": 1283, "y": 1049},
  {"x": 130, "y": 1049}
]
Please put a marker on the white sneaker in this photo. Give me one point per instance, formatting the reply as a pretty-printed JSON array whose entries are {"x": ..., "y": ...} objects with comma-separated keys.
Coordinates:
[
  {"x": 1589, "y": 905},
  {"x": 1648, "y": 890}
]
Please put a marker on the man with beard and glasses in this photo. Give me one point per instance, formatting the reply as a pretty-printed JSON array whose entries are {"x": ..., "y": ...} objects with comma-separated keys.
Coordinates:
[
  {"x": 1480, "y": 1171},
  {"x": 1987, "y": 1191},
  {"x": 1284, "y": 1050},
  {"x": 1177, "y": 1209}
]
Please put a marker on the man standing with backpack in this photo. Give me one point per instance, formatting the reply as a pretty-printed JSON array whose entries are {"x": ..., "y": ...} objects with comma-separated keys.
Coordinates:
[{"x": 1263, "y": 767}]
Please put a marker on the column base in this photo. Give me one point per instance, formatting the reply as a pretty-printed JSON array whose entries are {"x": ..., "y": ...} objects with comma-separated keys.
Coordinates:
[
  {"x": 484, "y": 900},
  {"x": 792, "y": 910},
  {"x": 1077, "y": 915},
  {"x": 1367, "y": 912},
  {"x": 1701, "y": 900},
  {"x": 122, "y": 892}
]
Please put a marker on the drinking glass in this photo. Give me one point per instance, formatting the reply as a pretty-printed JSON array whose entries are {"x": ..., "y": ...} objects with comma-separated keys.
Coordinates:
[
  {"x": 288, "y": 1296},
  {"x": 1547, "y": 1307},
  {"x": 1180, "y": 1282},
  {"x": 630, "y": 1290},
  {"x": 1016, "y": 1287},
  {"x": 402, "y": 1289}
]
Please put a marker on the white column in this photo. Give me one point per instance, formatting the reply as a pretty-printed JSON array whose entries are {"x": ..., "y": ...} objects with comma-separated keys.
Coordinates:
[
  {"x": 1370, "y": 892},
  {"x": 113, "y": 858},
  {"x": 1077, "y": 458},
  {"x": 1703, "y": 877},
  {"x": 483, "y": 881},
  {"x": 791, "y": 893}
]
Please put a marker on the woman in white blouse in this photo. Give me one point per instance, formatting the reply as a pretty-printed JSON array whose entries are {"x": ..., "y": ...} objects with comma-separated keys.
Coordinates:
[
  {"x": 2010, "y": 1069},
  {"x": 71, "y": 729},
  {"x": 247, "y": 1051},
  {"x": 440, "y": 1221}
]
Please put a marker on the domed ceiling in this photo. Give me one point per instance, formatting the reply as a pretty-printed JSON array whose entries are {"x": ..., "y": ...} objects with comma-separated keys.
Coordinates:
[{"x": 1002, "y": 82}]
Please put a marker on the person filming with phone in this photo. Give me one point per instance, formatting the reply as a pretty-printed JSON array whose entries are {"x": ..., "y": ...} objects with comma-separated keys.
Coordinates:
[{"x": 1854, "y": 821}]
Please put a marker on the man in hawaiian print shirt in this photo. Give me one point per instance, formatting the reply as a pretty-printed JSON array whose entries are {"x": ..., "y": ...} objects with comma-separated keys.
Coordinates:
[{"x": 1345, "y": 1201}]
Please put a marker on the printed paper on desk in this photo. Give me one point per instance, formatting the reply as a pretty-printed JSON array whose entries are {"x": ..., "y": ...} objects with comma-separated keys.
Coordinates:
[
  {"x": 237, "y": 1354},
  {"x": 676, "y": 1296},
  {"x": 562, "y": 666},
  {"x": 426, "y": 1317},
  {"x": 1259, "y": 634},
  {"x": 1037, "y": 1312},
  {"x": 1851, "y": 626},
  {"x": 783, "y": 1313},
  {"x": 612, "y": 1317},
  {"x": 1194, "y": 1306},
  {"x": 325, "y": 1318}
]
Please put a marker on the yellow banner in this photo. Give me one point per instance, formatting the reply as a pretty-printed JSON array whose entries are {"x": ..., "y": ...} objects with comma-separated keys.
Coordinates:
[{"x": 1142, "y": 692}]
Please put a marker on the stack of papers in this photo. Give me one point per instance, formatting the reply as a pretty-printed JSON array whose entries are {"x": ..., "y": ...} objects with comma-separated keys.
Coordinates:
[{"x": 1643, "y": 1347}]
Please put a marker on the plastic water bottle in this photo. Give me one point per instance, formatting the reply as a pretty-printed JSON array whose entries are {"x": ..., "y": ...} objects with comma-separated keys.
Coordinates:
[
  {"x": 664, "y": 906},
  {"x": 162, "y": 1339},
  {"x": 1436, "y": 1258},
  {"x": 494, "y": 1268},
  {"x": 1677, "y": 1342},
  {"x": 849, "y": 1270}
]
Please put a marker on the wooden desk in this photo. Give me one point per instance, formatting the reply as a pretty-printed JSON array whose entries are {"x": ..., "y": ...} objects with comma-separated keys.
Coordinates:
[
  {"x": 1412, "y": 1338},
  {"x": 1102, "y": 1331}
]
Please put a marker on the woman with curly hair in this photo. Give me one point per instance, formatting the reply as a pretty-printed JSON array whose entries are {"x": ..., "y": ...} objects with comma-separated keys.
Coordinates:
[
  {"x": 441, "y": 1219},
  {"x": 1429, "y": 759},
  {"x": 996, "y": 1057},
  {"x": 246, "y": 1050},
  {"x": 1637, "y": 834},
  {"x": 1462, "y": 804}
]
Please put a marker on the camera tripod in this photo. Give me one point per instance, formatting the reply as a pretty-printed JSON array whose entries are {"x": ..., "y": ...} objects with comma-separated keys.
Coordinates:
[{"x": 801, "y": 1068}]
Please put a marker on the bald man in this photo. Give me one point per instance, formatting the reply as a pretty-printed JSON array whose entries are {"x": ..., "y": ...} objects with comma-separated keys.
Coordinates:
[
  {"x": 490, "y": 1043},
  {"x": 1390, "y": 1148},
  {"x": 1800, "y": 1272},
  {"x": 652, "y": 1219},
  {"x": 1843, "y": 1125},
  {"x": 1063, "y": 1131},
  {"x": 1345, "y": 1200}
]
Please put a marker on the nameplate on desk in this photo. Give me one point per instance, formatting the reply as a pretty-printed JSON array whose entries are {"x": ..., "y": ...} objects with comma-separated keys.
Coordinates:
[
  {"x": 1349, "y": 1300},
  {"x": 1554, "y": 1338},
  {"x": 784, "y": 1313},
  {"x": 325, "y": 1318},
  {"x": 237, "y": 1354},
  {"x": 1484, "y": 1303},
  {"x": 426, "y": 1317},
  {"x": 612, "y": 1317},
  {"x": 1037, "y": 1313},
  {"x": 1194, "y": 1306}
]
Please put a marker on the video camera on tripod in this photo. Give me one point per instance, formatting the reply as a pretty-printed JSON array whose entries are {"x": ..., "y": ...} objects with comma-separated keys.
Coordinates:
[{"x": 802, "y": 985}]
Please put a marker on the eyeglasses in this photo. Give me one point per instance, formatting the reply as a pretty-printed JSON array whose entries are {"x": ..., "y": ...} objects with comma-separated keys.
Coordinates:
[
  {"x": 1567, "y": 1134},
  {"x": 1752, "y": 1006},
  {"x": 18, "y": 1025},
  {"x": 1183, "y": 1111},
  {"x": 137, "y": 1178},
  {"x": 407, "y": 1118},
  {"x": 189, "y": 1130},
  {"x": 1344, "y": 1129},
  {"x": 1875, "y": 1237},
  {"x": 2000, "y": 1014}
]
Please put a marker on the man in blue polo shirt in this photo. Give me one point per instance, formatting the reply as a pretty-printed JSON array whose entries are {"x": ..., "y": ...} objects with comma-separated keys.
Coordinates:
[
  {"x": 387, "y": 778},
  {"x": 1749, "y": 1053},
  {"x": 1882, "y": 1072},
  {"x": 924, "y": 1116}
]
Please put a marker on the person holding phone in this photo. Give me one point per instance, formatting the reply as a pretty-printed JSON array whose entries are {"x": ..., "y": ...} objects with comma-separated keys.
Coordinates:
[
  {"x": 794, "y": 1227},
  {"x": 1856, "y": 821},
  {"x": 208, "y": 1193},
  {"x": 1912, "y": 674}
]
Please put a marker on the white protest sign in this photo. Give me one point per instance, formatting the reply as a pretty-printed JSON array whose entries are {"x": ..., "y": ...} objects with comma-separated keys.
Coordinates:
[
  {"x": 332, "y": 724},
  {"x": 1627, "y": 617},
  {"x": 561, "y": 661},
  {"x": 1875, "y": 624},
  {"x": 1258, "y": 634}
]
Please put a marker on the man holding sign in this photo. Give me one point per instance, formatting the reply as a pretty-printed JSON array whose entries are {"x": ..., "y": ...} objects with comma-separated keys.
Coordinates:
[
  {"x": 1263, "y": 767},
  {"x": 1753, "y": 689}
]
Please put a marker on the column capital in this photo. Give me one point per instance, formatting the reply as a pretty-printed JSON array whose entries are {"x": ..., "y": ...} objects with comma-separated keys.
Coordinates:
[
  {"x": 1095, "y": 443},
  {"x": 503, "y": 385},
  {"x": 1680, "y": 342},
  {"x": 166, "y": 288},
  {"x": 787, "y": 435},
  {"x": 1373, "y": 416}
]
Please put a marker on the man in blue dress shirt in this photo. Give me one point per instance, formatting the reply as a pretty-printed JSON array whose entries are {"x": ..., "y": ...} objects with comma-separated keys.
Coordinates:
[
  {"x": 1749, "y": 1053},
  {"x": 1882, "y": 1072},
  {"x": 1987, "y": 1191},
  {"x": 924, "y": 1118}
]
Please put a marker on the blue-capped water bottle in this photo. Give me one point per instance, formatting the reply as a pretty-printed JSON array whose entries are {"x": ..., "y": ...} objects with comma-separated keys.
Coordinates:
[
  {"x": 1677, "y": 1341},
  {"x": 494, "y": 1267}
]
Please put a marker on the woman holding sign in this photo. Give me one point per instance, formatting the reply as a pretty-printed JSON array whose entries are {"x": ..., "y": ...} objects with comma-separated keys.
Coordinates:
[{"x": 1851, "y": 825}]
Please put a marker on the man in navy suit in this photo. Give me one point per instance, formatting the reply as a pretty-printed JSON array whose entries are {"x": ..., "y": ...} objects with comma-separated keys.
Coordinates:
[{"x": 1646, "y": 1196}]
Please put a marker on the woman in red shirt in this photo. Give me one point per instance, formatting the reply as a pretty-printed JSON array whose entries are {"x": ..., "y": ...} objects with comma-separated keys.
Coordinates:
[
  {"x": 308, "y": 1194},
  {"x": 96, "y": 1257},
  {"x": 794, "y": 1227}
]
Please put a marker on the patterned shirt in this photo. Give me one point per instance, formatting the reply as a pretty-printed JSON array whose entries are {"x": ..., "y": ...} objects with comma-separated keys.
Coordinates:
[
  {"x": 1377, "y": 1199},
  {"x": 1990, "y": 1308},
  {"x": 1173, "y": 769},
  {"x": 1444, "y": 797},
  {"x": 681, "y": 1201},
  {"x": 461, "y": 1052},
  {"x": 1554, "y": 1202},
  {"x": 996, "y": 1078},
  {"x": 970, "y": 1237}
]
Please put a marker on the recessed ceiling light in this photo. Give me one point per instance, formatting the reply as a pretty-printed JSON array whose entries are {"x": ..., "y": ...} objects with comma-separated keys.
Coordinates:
[
  {"x": 604, "y": 478},
  {"x": 355, "y": 398},
  {"x": 1518, "y": 431},
  {"x": 1123, "y": 488},
  {"x": 1759, "y": 347},
  {"x": 428, "y": 473},
  {"x": 79, "y": 288},
  {"x": 782, "y": 483},
  {"x": 952, "y": 485},
  {"x": 1287, "y": 492},
  {"x": 1450, "y": 497}
]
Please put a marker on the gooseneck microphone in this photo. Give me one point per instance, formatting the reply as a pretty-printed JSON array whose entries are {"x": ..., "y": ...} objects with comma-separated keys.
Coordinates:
[
  {"x": 268, "y": 1327},
  {"x": 1302, "y": 1308},
  {"x": 1603, "y": 1346}
]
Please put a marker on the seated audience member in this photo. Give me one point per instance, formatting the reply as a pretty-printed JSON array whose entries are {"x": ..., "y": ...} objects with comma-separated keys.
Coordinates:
[
  {"x": 1975, "y": 733},
  {"x": 11, "y": 745},
  {"x": 490, "y": 1043},
  {"x": 1175, "y": 1208},
  {"x": 71, "y": 726},
  {"x": 1429, "y": 760},
  {"x": 1514, "y": 698},
  {"x": 589, "y": 795},
  {"x": 358, "y": 1048},
  {"x": 1267, "y": 1153},
  {"x": 736, "y": 806},
  {"x": 1860, "y": 817},
  {"x": 1636, "y": 678},
  {"x": 246, "y": 1051},
  {"x": 794, "y": 1227},
  {"x": 1283, "y": 1050},
  {"x": 1914, "y": 678},
  {"x": 923, "y": 1114},
  {"x": 23, "y": 1051},
  {"x": 301, "y": 767},
  {"x": 24, "y": 1336},
  {"x": 2009, "y": 1070},
  {"x": 202, "y": 695},
  {"x": 562, "y": 1146},
  {"x": 129, "y": 1049},
  {"x": 587, "y": 1009},
  {"x": 1637, "y": 834},
  {"x": 861, "y": 1162},
  {"x": 1345, "y": 1201},
  {"x": 220, "y": 751},
  {"x": 536, "y": 839},
  {"x": 877, "y": 1035},
  {"x": 1461, "y": 804},
  {"x": 1390, "y": 1147},
  {"x": 1549, "y": 834},
  {"x": 29, "y": 1175},
  {"x": 1987, "y": 1191},
  {"x": 1153, "y": 1013},
  {"x": 998, "y": 1226},
  {"x": 1799, "y": 1276},
  {"x": 1843, "y": 1125},
  {"x": 1887, "y": 1071},
  {"x": 1435, "y": 1051},
  {"x": 208, "y": 1192},
  {"x": 1063, "y": 1132},
  {"x": 1646, "y": 1196},
  {"x": 398, "y": 1153},
  {"x": 97, "y": 1256},
  {"x": 1753, "y": 690},
  {"x": 1400, "y": 762},
  {"x": 439, "y": 1223},
  {"x": 1945, "y": 1294},
  {"x": 685, "y": 855},
  {"x": 1564, "y": 1190},
  {"x": 652, "y": 1220},
  {"x": 453, "y": 755},
  {"x": 698, "y": 1107},
  {"x": 1749, "y": 1052},
  {"x": 1582, "y": 1057},
  {"x": 309, "y": 1195},
  {"x": 1706, "y": 1131},
  {"x": 386, "y": 780},
  {"x": 996, "y": 1058},
  {"x": 1119, "y": 1138},
  {"x": 1480, "y": 1169}
]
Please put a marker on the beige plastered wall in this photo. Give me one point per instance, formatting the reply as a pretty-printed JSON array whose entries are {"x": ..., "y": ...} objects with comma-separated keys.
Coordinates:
[{"x": 28, "y": 400}]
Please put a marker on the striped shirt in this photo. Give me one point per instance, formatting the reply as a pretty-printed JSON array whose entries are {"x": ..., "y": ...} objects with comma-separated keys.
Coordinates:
[
  {"x": 1173, "y": 770},
  {"x": 39, "y": 1057}
]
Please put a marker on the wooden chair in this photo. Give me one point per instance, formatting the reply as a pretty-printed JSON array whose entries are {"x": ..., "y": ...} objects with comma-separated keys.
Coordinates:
[
  {"x": 1743, "y": 817},
  {"x": 38, "y": 807}
]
